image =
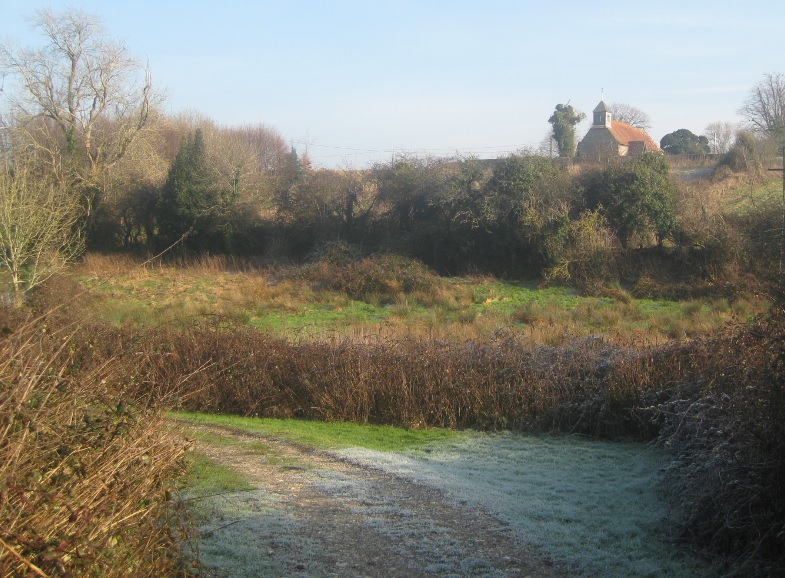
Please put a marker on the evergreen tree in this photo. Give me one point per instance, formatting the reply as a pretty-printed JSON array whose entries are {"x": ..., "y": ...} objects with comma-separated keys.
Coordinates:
[
  {"x": 192, "y": 201},
  {"x": 564, "y": 120},
  {"x": 684, "y": 142}
]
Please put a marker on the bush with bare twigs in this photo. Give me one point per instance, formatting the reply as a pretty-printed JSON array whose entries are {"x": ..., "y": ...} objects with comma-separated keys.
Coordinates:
[
  {"x": 85, "y": 468},
  {"x": 724, "y": 422},
  {"x": 718, "y": 404}
]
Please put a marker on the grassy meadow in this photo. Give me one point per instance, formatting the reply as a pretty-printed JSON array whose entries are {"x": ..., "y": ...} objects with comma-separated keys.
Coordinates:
[{"x": 295, "y": 304}]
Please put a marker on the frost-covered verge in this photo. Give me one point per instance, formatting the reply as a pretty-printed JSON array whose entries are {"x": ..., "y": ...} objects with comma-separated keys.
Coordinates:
[{"x": 595, "y": 506}]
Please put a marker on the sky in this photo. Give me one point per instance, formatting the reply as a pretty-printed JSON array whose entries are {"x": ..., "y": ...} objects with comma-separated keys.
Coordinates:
[{"x": 357, "y": 82}]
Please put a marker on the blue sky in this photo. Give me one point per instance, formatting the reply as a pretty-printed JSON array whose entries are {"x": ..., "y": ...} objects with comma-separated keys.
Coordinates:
[{"x": 359, "y": 80}]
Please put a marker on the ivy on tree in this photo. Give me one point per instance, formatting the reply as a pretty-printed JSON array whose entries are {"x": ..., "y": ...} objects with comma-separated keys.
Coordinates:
[{"x": 564, "y": 119}]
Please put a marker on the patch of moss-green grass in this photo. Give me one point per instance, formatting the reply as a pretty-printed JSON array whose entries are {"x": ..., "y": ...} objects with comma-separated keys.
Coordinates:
[
  {"x": 207, "y": 476},
  {"x": 651, "y": 307},
  {"x": 327, "y": 435},
  {"x": 319, "y": 315},
  {"x": 750, "y": 197}
]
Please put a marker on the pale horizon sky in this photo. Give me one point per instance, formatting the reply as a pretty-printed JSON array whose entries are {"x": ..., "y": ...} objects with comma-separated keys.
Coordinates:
[{"x": 358, "y": 81}]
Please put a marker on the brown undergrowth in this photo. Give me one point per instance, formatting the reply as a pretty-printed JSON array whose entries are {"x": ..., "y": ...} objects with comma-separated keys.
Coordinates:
[
  {"x": 85, "y": 465},
  {"x": 723, "y": 419},
  {"x": 718, "y": 404}
]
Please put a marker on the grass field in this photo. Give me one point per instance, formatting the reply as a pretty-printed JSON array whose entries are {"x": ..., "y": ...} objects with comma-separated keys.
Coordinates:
[{"x": 454, "y": 308}]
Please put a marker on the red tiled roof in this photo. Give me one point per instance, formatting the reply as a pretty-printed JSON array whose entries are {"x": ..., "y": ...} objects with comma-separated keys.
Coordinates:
[{"x": 625, "y": 134}]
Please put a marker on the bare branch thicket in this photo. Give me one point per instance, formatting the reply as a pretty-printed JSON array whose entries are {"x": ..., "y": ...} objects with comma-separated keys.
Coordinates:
[
  {"x": 265, "y": 142},
  {"x": 39, "y": 233},
  {"x": 721, "y": 136},
  {"x": 764, "y": 107},
  {"x": 630, "y": 114},
  {"x": 80, "y": 100}
]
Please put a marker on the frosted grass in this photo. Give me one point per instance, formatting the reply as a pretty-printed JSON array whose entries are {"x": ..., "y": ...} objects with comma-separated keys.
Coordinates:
[
  {"x": 247, "y": 535},
  {"x": 594, "y": 506}
]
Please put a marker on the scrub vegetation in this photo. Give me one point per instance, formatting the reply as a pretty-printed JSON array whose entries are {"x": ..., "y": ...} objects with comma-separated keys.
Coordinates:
[
  {"x": 226, "y": 274},
  {"x": 382, "y": 339}
]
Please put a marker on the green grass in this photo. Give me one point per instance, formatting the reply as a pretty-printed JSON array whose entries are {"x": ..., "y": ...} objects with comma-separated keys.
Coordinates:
[
  {"x": 319, "y": 315},
  {"x": 206, "y": 476},
  {"x": 455, "y": 309},
  {"x": 327, "y": 435},
  {"x": 751, "y": 197}
]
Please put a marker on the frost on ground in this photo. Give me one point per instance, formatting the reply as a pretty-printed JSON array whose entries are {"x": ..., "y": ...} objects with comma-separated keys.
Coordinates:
[
  {"x": 481, "y": 505},
  {"x": 594, "y": 506}
]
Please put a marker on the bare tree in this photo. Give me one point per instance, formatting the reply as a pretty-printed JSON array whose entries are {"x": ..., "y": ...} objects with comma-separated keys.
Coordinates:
[
  {"x": 548, "y": 147},
  {"x": 80, "y": 99},
  {"x": 39, "y": 235},
  {"x": 629, "y": 114},
  {"x": 266, "y": 143},
  {"x": 764, "y": 107},
  {"x": 721, "y": 136}
]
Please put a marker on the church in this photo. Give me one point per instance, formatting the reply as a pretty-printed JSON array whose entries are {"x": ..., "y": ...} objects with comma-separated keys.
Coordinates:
[{"x": 611, "y": 138}]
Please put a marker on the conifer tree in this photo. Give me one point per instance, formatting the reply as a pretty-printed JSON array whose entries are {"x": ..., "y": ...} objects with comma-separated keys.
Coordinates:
[{"x": 191, "y": 201}]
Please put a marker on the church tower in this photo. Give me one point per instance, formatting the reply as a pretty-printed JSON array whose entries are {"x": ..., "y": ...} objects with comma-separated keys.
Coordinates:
[{"x": 602, "y": 116}]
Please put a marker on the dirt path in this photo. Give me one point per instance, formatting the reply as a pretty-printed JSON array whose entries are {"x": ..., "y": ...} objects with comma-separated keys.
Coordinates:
[{"x": 315, "y": 514}]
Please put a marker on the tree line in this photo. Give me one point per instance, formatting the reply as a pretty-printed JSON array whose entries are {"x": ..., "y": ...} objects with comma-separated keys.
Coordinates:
[{"x": 89, "y": 160}]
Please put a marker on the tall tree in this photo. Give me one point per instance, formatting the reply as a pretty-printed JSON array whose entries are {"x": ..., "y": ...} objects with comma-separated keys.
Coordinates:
[
  {"x": 721, "y": 135},
  {"x": 564, "y": 119},
  {"x": 764, "y": 107},
  {"x": 684, "y": 142},
  {"x": 80, "y": 99},
  {"x": 629, "y": 114},
  {"x": 193, "y": 200}
]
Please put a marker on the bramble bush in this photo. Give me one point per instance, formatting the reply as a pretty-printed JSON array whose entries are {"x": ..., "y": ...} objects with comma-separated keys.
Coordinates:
[{"x": 86, "y": 467}]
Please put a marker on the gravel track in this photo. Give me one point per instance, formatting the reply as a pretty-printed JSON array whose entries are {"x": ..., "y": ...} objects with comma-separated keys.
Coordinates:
[
  {"x": 317, "y": 514},
  {"x": 500, "y": 505}
]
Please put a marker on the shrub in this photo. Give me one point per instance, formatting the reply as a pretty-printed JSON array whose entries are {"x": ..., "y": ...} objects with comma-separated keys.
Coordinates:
[
  {"x": 366, "y": 279},
  {"x": 84, "y": 468},
  {"x": 724, "y": 422},
  {"x": 636, "y": 196},
  {"x": 583, "y": 254}
]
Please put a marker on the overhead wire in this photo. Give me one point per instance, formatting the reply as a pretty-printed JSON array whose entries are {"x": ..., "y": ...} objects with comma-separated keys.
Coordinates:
[{"x": 358, "y": 151}]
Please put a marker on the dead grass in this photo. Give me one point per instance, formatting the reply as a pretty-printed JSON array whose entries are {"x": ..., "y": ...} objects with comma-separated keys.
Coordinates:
[{"x": 714, "y": 400}]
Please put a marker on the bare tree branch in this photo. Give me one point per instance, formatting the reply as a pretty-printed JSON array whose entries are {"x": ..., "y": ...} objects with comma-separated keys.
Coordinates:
[
  {"x": 83, "y": 84},
  {"x": 764, "y": 107},
  {"x": 39, "y": 233},
  {"x": 629, "y": 114}
]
